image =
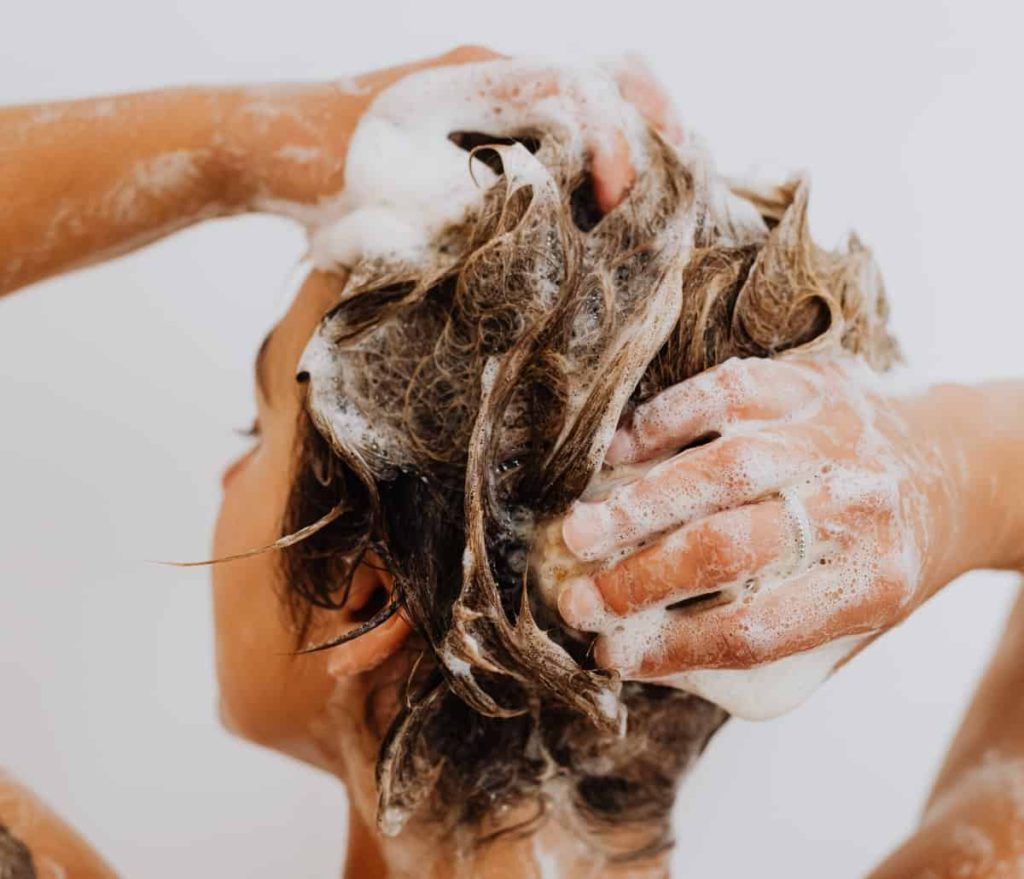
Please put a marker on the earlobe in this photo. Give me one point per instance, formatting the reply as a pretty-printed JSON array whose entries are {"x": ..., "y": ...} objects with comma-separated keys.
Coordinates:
[
  {"x": 370, "y": 649},
  {"x": 372, "y": 587}
]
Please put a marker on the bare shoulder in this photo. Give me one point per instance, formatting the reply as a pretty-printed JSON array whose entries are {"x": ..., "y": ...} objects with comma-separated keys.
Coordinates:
[{"x": 35, "y": 843}]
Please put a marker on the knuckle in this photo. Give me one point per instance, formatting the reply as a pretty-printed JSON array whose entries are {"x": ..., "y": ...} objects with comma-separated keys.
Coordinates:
[
  {"x": 733, "y": 374},
  {"x": 649, "y": 422},
  {"x": 736, "y": 646},
  {"x": 675, "y": 399},
  {"x": 620, "y": 588},
  {"x": 727, "y": 455},
  {"x": 732, "y": 459},
  {"x": 796, "y": 373},
  {"x": 710, "y": 550},
  {"x": 891, "y": 593}
]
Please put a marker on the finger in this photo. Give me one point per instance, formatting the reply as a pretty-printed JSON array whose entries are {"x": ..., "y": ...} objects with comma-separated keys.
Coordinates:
[
  {"x": 726, "y": 473},
  {"x": 750, "y": 389},
  {"x": 531, "y": 90},
  {"x": 613, "y": 172},
  {"x": 799, "y": 615},
  {"x": 723, "y": 550}
]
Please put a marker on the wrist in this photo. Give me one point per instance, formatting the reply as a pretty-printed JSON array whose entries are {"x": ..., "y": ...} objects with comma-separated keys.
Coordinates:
[
  {"x": 999, "y": 480},
  {"x": 285, "y": 143},
  {"x": 977, "y": 432}
]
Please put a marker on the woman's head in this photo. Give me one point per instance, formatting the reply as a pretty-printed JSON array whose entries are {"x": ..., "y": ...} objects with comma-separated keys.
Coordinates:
[{"x": 444, "y": 409}]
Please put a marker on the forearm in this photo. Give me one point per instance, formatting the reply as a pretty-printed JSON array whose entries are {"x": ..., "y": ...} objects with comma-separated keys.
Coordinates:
[
  {"x": 1000, "y": 485},
  {"x": 975, "y": 436},
  {"x": 994, "y": 723},
  {"x": 981, "y": 431},
  {"x": 84, "y": 180},
  {"x": 979, "y": 784}
]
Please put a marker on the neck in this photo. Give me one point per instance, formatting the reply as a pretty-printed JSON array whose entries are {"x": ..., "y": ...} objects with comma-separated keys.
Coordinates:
[{"x": 554, "y": 851}]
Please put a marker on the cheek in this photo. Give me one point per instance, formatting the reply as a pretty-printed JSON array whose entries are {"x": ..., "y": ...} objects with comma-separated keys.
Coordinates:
[{"x": 266, "y": 694}]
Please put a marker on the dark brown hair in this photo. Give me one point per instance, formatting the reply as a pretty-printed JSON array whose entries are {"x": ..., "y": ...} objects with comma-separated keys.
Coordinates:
[{"x": 460, "y": 400}]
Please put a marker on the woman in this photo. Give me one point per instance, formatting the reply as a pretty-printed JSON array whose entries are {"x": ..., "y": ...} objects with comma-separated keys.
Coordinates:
[{"x": 536, "y": 775}]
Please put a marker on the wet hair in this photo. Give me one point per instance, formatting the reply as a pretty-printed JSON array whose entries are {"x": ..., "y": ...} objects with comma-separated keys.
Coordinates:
[
  {"x": 464, "y": 398},
  {"x": 15, "y": 858}
]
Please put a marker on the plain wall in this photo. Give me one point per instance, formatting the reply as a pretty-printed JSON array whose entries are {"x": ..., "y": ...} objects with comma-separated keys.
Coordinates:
[{"x": 120, "y": 386}]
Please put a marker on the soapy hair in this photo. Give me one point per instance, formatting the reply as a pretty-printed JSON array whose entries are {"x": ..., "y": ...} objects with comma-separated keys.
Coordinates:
[{"x": 470, "y": 395}]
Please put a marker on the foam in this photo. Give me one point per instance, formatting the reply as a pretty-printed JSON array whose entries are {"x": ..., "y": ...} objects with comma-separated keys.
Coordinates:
[
  {"x": 766, "y": 690},
  {"x": 867, "y": 521},
  {"x": 405, "y": 180}
]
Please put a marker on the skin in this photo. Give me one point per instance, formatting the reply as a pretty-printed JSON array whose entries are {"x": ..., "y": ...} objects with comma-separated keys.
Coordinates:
[
  {"x": 83, "y": 181},
  {"x": 902, "y": 495},
  {"x": 973, "y": 825},
  {"x": 87, "y": 180}
]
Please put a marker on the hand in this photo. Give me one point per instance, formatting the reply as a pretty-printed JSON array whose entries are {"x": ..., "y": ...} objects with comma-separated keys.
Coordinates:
[
  {"x": 287, "y": 144},
  {"x": 866, "y": 532},
  {"x": 611, "y": 160}
]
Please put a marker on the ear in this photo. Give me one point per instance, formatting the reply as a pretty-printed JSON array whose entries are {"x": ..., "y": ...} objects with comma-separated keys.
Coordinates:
[{"x": 372, "y": 590}]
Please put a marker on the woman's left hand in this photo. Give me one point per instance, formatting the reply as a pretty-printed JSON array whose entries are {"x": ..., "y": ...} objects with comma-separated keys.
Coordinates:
[
  {"x": 88, "y": 179},
  {"x": 823, "y": 507},
  {"x": 285, "y": 145}
]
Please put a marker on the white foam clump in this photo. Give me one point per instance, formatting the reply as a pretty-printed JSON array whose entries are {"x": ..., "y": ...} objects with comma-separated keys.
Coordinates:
[
  {"x": 767, "y": 690},
  {"x": 405, "y": 180},
  {"x": 758, "y": 693}
]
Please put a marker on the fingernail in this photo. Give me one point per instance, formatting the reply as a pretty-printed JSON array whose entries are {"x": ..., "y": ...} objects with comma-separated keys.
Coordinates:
[
  {"x": 585, "y": 529},
  {"x": 580, "y": 603}
]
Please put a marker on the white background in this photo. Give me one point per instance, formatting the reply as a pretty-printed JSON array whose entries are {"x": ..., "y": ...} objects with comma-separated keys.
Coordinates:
[{"x": 120, "y": 386}]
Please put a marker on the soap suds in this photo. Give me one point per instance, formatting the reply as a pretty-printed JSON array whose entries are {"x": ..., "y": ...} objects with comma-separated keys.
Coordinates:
[
  {"x": 767, "y": 690},
  {"x": 867, "y": 515},
  {"x": 406, "y": 181},
  {"x": 152, "y": 179}
]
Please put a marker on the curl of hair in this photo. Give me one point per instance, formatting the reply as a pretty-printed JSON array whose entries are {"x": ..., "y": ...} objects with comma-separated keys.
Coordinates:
[{"x": 473, "y": 394}]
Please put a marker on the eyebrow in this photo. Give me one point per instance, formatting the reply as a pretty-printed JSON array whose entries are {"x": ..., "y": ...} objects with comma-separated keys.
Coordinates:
[{"x": 260, "y": 368}]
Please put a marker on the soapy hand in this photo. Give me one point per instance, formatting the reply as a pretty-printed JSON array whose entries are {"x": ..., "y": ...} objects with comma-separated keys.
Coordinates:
[
  {"x": 288, "y": 144},
  {"x": 285, "y": 144},
  {"x": 528, "y": 88},
  {"x": 815, "y": 512}
]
